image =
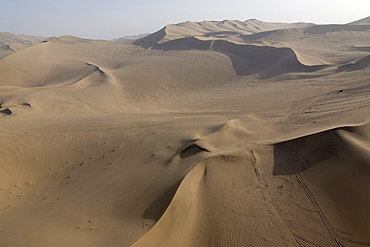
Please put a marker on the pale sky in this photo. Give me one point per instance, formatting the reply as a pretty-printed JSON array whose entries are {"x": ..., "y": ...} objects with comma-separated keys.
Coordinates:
[{"x": 107, "y": 19}]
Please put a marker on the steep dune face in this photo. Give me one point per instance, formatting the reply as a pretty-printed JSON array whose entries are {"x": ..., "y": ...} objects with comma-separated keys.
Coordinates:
[
  {"x": 334, "y": 165},
  {"x": 203, "y": 134}
]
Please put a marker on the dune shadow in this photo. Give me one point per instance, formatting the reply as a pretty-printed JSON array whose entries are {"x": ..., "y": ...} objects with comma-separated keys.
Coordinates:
[
  {"x": 155, "y": 210},
  {"x": 267, "y": 61},
  {"x": 221, "y": 33},
  {"x": 298, "y": 155},
  {"x": 336, "y": 175},
  {"x": 360, "y": 64},
  {"x": 257, "y": 36},
  {"x": 191, "y": 150},
  {"x": 323, "y": 29},
  {"x": 189, "y": 43},
  {"x": 363, "y": 48}
]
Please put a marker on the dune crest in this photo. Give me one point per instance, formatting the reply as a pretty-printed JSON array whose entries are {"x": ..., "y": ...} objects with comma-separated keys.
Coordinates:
[{"x": 10, "y": 43}]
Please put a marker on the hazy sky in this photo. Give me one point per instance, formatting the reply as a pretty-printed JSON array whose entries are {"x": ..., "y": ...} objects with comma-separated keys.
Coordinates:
[{"x": 107, "y": 19}]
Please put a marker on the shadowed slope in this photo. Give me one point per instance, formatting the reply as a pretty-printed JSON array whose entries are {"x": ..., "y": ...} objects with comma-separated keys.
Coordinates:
[
  {"x": 312, "y": 45},
  {"x": 363, "y": 21},
  {"x": 267, "y": 61},
  {"x": 360, "y": 64},
  {"x": 334, "y": 165}
]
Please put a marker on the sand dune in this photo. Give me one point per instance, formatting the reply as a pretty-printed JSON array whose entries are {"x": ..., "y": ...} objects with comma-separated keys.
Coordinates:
[
  {"x": 223, "y": 133},
  {"x": 226, "y": 28},
  {"x": 131, "y": 37},
  {"x": 246, "y": 59},
  {"x": 10, "y": 43},
  {"x": 302, "y": 38},
  {"x": 360, "y": 64}
]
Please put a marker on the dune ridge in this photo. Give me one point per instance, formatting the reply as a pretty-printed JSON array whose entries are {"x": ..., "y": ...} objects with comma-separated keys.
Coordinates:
[
  {"x": 10, "y": 43},
  {"x": 296, "y": 37},
  {"x": 213, "y": 29},
  {"x": 363, "y": 21}
]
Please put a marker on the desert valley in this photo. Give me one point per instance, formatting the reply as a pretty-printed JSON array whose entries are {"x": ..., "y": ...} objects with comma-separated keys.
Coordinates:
[{"x": 214, "y": 133}]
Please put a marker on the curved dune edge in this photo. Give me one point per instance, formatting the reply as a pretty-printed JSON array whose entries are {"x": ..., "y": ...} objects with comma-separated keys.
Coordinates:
[
  {"x": 240, "y": 199},
  {"x": 248, "y": 59}
]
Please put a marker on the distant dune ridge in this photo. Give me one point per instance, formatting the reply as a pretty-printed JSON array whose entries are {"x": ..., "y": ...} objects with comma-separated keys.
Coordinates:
[
  {"x": 364, "y": 21},
  {"x": 10, "y": 43},
  {"x": 131, "y": 37},
  {"x": 214, "y": 29},
  {"x": 214, "y": 133}
]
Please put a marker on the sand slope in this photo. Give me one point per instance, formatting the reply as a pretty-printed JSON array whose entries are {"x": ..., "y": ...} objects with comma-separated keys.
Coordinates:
[
  {"x": 10, "y": 43},
  {"x": 363, "y": 21},
  {"x": 223, "y": 133}
]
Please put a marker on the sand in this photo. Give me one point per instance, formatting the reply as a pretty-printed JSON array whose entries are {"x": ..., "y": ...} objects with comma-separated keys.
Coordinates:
[
  {"x": 10, "y": 43},
  {"x": 222, "y": 133}
]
